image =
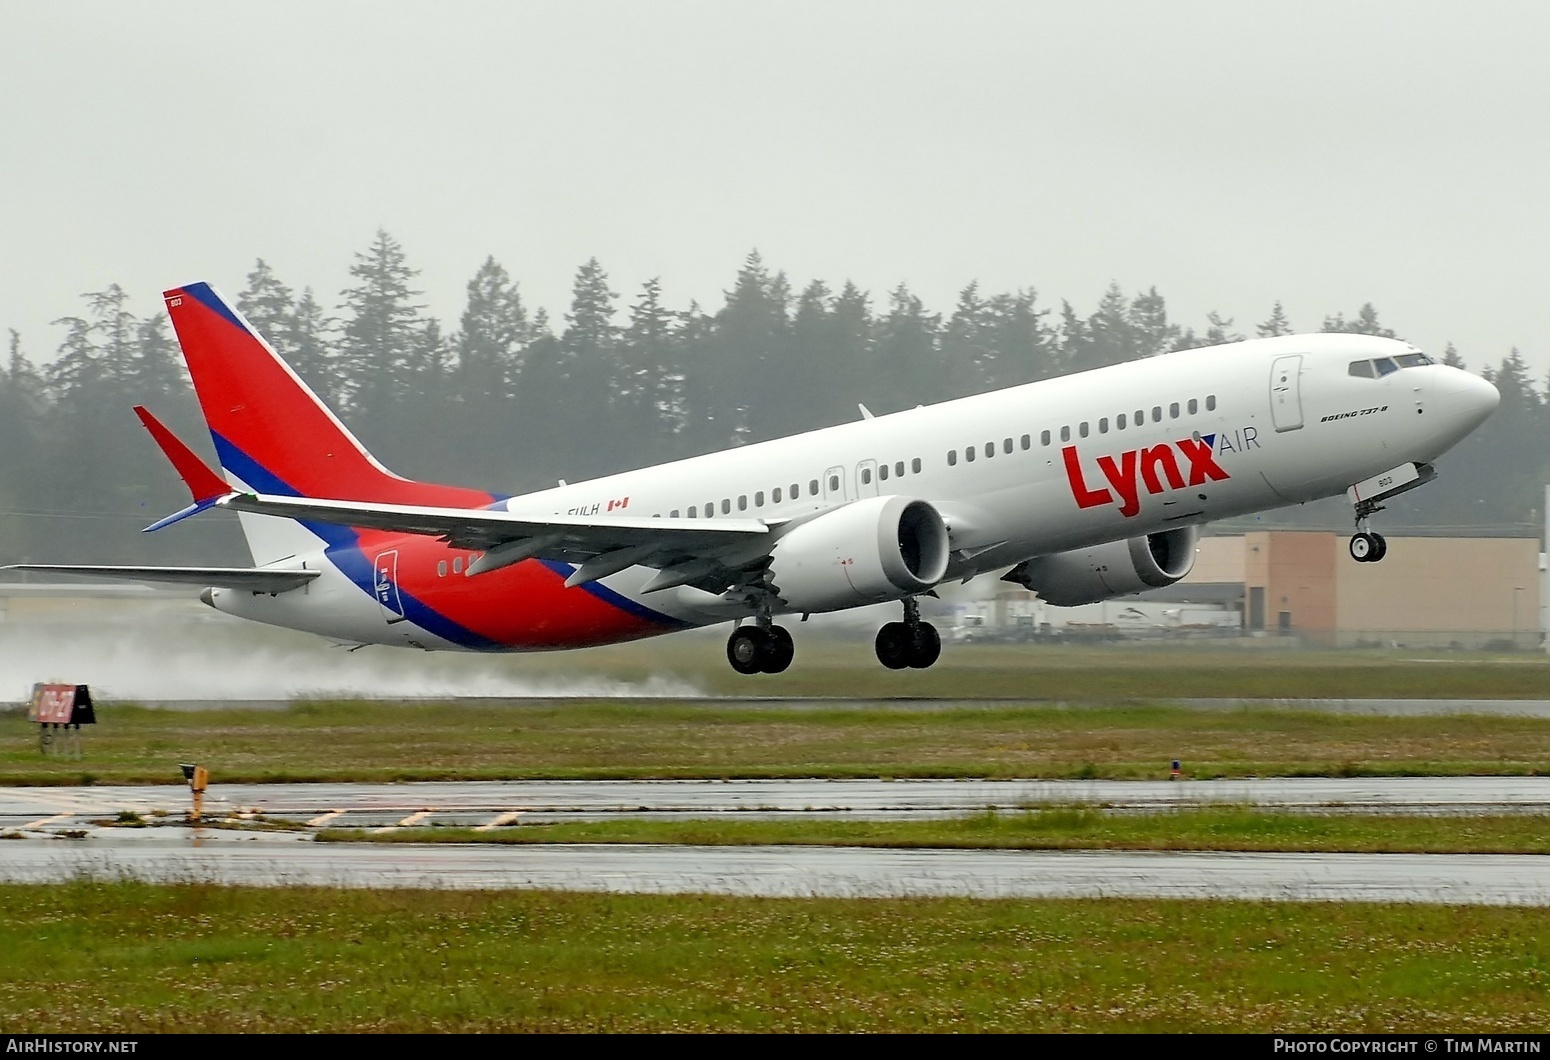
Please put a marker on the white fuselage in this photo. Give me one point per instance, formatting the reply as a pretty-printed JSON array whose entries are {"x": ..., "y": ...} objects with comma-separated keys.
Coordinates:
[{"x": 1028, "y": 471}]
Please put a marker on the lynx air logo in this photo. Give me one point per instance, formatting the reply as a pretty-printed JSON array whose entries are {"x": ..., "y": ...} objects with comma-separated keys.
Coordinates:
[{"x": 1154, "y": 469}]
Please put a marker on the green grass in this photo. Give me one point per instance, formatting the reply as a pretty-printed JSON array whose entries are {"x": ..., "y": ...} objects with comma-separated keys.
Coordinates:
[
  {"x": 365, "y": 741},
  {"x": 123, "y": 958},
  {"x": 1213, "y": 828}
]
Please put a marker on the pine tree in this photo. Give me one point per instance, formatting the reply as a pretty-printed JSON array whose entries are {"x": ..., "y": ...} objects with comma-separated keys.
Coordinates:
[
  {"x": 905, "y": 359},
  {"x": 311, "y": 353},
  {"x": 1366, "y": 323},
  {"x": 491, "y": 334},
  {"x": 380, "y": 331},
  {"x": 1276, "y": 325},
  {"x": 270, "y": 307}
]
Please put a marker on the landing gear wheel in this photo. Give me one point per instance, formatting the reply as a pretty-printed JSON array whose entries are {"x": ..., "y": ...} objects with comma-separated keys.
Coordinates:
[
  {"x": 779, "y": 651},
  {"x": 925, "y": 646},
  {"x": 895, "y": 645},
  {"x": 747, "y": 649},
  {"x": 1367, "y": 547}
]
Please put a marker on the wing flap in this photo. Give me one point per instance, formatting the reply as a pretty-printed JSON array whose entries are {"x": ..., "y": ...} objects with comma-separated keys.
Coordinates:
[{"x": 250, "y": 579}]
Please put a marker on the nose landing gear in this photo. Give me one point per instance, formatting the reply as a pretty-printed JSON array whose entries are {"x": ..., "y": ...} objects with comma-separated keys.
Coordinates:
[
  {"x": 911, "y": 643},
  {"x": 1367, "y": 546}
]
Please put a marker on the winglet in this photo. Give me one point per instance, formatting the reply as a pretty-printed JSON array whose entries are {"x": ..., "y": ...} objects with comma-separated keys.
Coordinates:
[{"x": 204, "y": 485}]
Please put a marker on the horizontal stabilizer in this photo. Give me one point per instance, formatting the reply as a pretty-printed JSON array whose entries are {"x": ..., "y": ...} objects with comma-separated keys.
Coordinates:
[{"x": 250, "y": 579}]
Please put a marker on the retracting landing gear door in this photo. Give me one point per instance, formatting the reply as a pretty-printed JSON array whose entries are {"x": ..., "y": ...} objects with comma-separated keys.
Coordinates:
[{"x": 1285, "y": 393}]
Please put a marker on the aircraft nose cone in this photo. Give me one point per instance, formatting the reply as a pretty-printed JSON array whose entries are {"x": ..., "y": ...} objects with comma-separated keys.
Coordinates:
[{"x": 1464, "y": 398}]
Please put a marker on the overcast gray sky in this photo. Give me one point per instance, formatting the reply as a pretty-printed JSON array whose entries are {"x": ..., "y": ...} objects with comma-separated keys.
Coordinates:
[{"x": 1229, "y": 153}]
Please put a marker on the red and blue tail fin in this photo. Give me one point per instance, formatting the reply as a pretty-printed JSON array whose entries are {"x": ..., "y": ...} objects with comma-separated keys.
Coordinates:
[{"x": 272, "y": 434}]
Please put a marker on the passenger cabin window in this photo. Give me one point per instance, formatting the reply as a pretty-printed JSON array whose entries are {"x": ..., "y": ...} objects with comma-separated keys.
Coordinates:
[
  {"x": 758, "y": 499},
  {"x": 1119, "y": 422},
  {"x": 1210, "y": 402},
  {"x": 1156, "y": 413},
  {"x": 812, "y": 487},
  {"x": 1194, "y": 406},
  {"x": 968, "y": 454},
  {"x": 1082, "y": 429},
  {"x": 694, "y": 513},
  {"x": 673, "y": 514},
  {"x": 898, "y": 469},
  {"x": 742, "y": 503},
  {"x": 775, "y": 495},
  {"x": 1027, "y": 442},
  {"x": 710, "y": 509},
  {"x": 457, "y": 564},
  {"x": 1065, "y": 434},
  {"x": 796, "y": 491},
  {"x": 1173, "y": 411},
  {"x": 1140, "y": 417},
  {"x": 882, "y": 472},
  {"x": 990, "y": 449},
  {"x": 1103, "y": 425},
  {"x": 1006, "y": 445},
  {"x": 1044, "y": 437},
  {"x": 952, "y": 458},
  {"x": 866, "y": 477},
  {"x": 915, "y": 465},
  {"x": 441, "y": 569}
]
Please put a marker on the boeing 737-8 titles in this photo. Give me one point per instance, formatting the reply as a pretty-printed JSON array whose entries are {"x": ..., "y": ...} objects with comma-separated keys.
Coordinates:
[{"x": 1081, "y": 488}]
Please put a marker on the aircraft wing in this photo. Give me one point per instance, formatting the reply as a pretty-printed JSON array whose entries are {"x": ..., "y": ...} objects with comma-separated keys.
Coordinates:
[
  {"x": 250, "y": 579},
  {"x": 709, "y": 553}
]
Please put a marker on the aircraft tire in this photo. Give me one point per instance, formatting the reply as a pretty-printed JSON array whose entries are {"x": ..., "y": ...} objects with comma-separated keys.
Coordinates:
[
  {"x": 895, "y": 646},
  {"x": 779, "y": 651},
  {"x": 926, "y": 646},
  {"x": 1381, "y": 548},
  {"x": 747, "y": 648},
  {"x": 1364, "y": 547}
]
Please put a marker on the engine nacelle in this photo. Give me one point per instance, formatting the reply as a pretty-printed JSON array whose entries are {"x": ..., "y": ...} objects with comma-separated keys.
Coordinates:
[
  {"x": 881, "y": 548},
  {"x": 1087, "y": 575}
]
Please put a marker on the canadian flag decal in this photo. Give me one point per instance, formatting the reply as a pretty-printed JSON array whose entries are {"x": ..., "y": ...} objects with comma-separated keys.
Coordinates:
[{"x": 619, "y": 504}]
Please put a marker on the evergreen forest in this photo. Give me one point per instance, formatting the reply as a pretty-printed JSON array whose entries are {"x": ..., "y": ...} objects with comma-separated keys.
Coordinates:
[{"x": 510, "y": 400}]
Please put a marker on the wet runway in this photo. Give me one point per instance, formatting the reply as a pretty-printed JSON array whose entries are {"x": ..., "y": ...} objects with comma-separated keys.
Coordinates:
[
  {"x": 496, "y": 804},
  {"x": 54, "y": 834},
  {"x": 279, "y": 859}
]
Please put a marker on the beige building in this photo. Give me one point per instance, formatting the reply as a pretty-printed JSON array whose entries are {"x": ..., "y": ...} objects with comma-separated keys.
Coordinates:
[{"x": 1440, "y": 591}]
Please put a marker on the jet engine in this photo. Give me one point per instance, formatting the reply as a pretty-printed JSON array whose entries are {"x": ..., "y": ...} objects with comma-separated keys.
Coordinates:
[
  {"x": 1087, "y": 575},
  {"x": 881, "y": 548}
]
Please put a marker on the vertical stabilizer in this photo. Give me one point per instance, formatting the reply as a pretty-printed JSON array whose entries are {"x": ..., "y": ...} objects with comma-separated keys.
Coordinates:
[{"x": 273, "y": 435}]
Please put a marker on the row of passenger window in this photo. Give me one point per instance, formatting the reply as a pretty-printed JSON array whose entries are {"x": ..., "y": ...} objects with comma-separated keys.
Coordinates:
[
  {"x": 1379, "y": 367},
  {"x": 793, "y": 493},
  {"x": 1084, "y": 429}
]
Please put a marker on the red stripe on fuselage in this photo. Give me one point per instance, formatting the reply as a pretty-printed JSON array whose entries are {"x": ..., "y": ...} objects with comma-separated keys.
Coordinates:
[{"x": 525, "y": 607}]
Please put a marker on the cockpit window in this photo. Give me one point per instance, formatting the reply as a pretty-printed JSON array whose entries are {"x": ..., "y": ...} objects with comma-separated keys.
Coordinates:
[{"x": 1386, "y": 365}]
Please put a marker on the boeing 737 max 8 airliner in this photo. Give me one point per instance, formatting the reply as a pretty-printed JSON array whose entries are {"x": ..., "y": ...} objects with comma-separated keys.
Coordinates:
[{"x": 1081, "y": 488}]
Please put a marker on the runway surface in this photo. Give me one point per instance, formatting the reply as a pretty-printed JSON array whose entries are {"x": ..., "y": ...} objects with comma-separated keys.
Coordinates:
[
  {"x": 1530, "y": 708},
  {"x": 500, "y": 803},
  {"x": 270, "y": 859},
  {"x": 60, "y": 833}
]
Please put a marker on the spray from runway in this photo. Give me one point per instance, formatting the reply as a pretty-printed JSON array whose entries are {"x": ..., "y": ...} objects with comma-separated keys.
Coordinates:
[{"x": 160, "y": 655}]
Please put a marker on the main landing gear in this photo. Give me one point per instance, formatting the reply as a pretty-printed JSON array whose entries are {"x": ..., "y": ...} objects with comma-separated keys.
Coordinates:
[
  {"x": 761, "y": 649},
  {"x": 1367, "y": 546},
  {"x": 911, "y": 643}
]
